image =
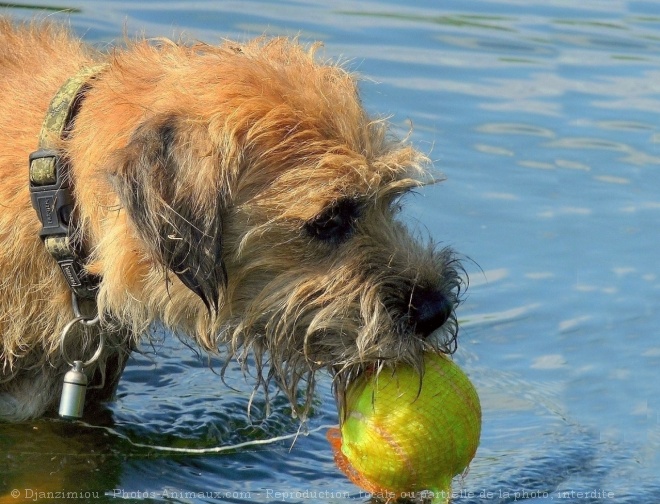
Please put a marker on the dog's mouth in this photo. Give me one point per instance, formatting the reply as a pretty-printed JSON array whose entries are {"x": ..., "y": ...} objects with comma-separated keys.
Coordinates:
[{"x": 441, "y": 340}]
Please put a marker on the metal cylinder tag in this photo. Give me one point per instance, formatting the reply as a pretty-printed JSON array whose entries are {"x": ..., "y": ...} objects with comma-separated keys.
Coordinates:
[{"x": 73, "y": 392}]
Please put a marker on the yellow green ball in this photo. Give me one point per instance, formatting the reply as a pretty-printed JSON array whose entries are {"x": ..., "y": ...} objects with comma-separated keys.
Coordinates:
[{"x": 401, "y": 434}]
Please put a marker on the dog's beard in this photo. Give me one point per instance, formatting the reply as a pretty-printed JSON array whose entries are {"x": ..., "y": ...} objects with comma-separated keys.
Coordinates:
[{"x": 346, "y": 325}]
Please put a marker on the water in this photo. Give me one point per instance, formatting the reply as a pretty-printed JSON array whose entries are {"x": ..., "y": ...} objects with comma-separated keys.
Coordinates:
[{"x": 544, "y": 118}]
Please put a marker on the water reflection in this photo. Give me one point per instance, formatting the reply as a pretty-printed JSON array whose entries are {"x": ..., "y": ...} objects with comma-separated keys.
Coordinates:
[{"x": 544, "y": 118}]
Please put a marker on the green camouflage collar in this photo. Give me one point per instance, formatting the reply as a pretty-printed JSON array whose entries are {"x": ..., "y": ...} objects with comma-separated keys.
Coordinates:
[{"x": 50, "y": 185}]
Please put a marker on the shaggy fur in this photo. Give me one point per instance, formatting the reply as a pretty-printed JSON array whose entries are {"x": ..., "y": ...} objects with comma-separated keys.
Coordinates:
[{"x": 237, "y": 193}]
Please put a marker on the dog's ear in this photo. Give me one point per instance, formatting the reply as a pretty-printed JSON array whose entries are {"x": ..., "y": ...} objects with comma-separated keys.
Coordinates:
[{"x": 157, "y": 177}]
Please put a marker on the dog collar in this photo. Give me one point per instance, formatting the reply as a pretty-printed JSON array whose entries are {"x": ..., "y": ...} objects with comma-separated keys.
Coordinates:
[{"x": 50, "y": 186}]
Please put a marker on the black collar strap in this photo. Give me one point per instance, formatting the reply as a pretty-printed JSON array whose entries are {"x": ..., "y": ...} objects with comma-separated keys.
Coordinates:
[{"x": 50, "y": 186}]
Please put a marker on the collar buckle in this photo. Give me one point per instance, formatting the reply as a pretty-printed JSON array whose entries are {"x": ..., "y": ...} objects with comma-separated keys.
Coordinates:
[{"x": 50, "y": 193}]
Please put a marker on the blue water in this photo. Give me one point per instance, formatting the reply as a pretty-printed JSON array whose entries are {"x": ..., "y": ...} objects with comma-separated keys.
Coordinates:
[{"x": 544, "y": 118}]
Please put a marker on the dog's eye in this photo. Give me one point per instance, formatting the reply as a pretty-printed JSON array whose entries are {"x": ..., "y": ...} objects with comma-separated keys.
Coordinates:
[{"x": 336, "y": 223}]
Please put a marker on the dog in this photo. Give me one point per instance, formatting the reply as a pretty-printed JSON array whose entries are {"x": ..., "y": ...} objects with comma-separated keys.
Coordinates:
[{"x": 238, "y": 194}]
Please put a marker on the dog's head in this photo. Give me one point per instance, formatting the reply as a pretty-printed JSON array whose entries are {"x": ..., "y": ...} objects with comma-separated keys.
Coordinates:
[{"x": 261, "y": 206}]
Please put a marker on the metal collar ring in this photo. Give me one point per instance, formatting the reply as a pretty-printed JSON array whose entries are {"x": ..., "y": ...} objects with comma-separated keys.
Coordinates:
[{"x": 85, "y": 321}]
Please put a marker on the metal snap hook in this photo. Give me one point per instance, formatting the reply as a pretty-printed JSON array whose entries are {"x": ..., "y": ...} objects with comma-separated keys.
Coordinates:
[{"x": 86, "y": 320}]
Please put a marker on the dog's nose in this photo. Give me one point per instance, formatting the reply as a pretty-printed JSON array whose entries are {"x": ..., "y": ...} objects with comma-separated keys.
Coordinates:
[{"x": 429, "y": 309}]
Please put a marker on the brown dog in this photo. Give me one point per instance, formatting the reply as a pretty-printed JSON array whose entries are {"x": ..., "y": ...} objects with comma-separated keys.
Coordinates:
[{"x": 239, "y": 194}]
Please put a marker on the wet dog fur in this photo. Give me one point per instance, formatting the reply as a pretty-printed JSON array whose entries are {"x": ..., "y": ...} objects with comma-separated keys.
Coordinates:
[{"x": 238, "y": 194}]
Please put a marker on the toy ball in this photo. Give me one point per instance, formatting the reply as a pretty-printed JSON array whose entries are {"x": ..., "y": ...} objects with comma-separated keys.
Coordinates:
[{"x": 401, "y": 433}]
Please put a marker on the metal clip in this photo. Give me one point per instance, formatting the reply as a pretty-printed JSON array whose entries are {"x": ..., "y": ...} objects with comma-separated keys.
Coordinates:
[{"x": 72, "y": 401}]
